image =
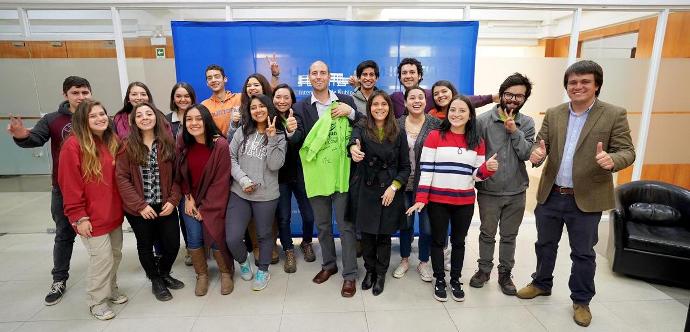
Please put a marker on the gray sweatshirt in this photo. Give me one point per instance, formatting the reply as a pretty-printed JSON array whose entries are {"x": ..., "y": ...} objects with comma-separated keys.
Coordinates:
[
  {"x": 257, "y": 163},
  {"x": 512, "y": 149}
]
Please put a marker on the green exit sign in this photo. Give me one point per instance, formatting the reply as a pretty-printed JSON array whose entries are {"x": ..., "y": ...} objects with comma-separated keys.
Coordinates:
[{"x": 160, "y": 53}]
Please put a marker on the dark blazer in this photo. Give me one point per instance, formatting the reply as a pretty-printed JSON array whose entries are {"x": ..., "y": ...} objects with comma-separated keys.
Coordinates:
[
  {"x": 306, "y": 115},
  {"x": 593, "y": 185}
]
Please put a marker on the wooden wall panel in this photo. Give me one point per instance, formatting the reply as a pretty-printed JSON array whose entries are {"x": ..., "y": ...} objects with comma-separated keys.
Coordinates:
[
  {"x": 45, "y": 49},
  {"x": 678, "y": 174},
  {"x": 91, "y": 49},
  {"x": 9, "y": 50}
]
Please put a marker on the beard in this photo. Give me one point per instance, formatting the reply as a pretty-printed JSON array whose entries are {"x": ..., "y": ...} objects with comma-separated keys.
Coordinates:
[{"x": 512, "y": 106}]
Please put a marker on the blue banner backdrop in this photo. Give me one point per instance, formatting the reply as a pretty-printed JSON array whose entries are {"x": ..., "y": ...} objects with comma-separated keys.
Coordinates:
[{"x": 447, "y": 51}]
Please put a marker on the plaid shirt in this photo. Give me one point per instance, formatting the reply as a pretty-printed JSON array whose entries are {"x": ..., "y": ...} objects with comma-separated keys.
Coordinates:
[{"x": 151, "y": 177}]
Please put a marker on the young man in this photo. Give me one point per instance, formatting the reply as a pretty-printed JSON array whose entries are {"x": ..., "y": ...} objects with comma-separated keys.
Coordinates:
[
  {"x": 307, "y": 112},
  {"x": 56, "y": 127},
  {"x": 410, "y": 74},
  {"x": 367, "y": 76},
  {"x": 583, "y": 141},
  {"x": 223, "y": 104},
  {"x": 501, "y": 198}
]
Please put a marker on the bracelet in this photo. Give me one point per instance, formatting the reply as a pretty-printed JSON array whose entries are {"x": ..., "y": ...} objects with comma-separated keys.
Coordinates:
[
  {"x": 394, "y": 188},
  {"x": 275, "y": 75}
]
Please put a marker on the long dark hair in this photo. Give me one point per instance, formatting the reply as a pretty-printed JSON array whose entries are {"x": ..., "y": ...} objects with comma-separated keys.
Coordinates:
[
  {"x": 407, "y": 93},
  {"x": 249, "y": 126},
  {"x": 127, "y": 107},
  {"x": 186, "y": 86},
  {"x": 292, "y": 93},
  {"x": 265, "y": 87},
  {"x": 135, "y": 147},
  {"x": 447, "y": 84},
  {"x": 471, "y": 133},
  {"x": 390, "y": 126},
  {"x": 211, "y": 131}
]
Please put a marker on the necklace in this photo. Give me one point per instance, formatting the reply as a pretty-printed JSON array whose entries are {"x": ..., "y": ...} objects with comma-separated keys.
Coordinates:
[{"x": 456, "y": 142}]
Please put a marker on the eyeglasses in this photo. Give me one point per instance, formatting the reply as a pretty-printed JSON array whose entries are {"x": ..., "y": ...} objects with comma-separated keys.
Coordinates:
[{"x": 508, "y": 95}]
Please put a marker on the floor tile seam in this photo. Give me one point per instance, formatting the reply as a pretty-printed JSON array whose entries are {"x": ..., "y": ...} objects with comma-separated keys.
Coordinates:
[{"x": 536, "y": 318}]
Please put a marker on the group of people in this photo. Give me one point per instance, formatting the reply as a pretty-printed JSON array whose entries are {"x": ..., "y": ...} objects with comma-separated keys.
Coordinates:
[{"x": 224, "y": 172}]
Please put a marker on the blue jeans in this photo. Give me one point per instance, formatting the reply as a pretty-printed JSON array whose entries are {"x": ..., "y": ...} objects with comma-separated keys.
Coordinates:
[
  {"x": 407, "y": 235},
  {"x": 195, "y": 232},
  {"x": 284, "y": 212}
]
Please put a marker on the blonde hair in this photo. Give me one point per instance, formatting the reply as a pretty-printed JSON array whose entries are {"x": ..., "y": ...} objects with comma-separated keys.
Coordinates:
[{"x": 91, "y": 166}]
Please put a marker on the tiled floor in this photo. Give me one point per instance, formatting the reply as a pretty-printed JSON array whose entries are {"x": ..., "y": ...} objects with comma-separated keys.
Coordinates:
[{"x": 293, "y": 303}]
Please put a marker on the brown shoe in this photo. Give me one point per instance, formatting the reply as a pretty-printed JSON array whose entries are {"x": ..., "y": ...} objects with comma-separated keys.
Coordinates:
[
  {"x": 582, "y": 316},
  {"x": 479, "y": 279},
  {"x": 349, "y": 288},
  {"x": 290, "y": 265},
  {"x": 227, "y": 285},
  {"x": 530, "y": 291},
  {"x": 308, "y": 251},
  {"x": 201, "y": 269},
  {"x": 506, "y": 283},
  {"x": 323, "y": 275}
]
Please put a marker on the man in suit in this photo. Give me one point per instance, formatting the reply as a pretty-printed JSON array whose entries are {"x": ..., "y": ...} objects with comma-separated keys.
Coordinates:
[
  {"x": 585, "y": 140},
  {"x": 307, "y": 111}
]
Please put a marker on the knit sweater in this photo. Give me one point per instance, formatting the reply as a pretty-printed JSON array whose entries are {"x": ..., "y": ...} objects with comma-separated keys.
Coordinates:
[{"x": 449, "y": 169}]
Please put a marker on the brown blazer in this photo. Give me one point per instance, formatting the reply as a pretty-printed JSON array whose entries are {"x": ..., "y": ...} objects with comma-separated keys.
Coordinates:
[
  {"x": 593, "y": 185},
  {"x": 131, "y": 185}
]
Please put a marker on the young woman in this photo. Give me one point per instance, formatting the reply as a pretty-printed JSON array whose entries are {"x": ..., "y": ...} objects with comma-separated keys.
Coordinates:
[
  {"x": 452, "y": 160},
  {"x": 182, "y": 97},
  {"x": 145, "y": 172},
  {"x": 417, "y": 126},
  {"x": 257, "y": 154},
  {"x": 86, "y": 176},
  {"x": 442, "y": 91},
  {"x": 204, "y": 177},
  {"x": 380, "y": 150},
  {"x": 136, "y": 94},
  {"x": 291, "y": 181}
]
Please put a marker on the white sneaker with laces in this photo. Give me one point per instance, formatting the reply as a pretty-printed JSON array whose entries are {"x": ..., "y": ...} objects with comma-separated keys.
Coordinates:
[
  {"x": 102, "y": 312},
  {"x": 119, "y": 298},
  {"x": 401, "y": 269}
]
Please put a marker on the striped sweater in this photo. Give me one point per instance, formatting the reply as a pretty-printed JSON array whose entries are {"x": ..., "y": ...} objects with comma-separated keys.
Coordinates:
[{"x": 449, "y": 169}]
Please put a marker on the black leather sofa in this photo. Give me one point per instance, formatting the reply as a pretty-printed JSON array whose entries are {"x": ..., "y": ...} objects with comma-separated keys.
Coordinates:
[{"x": 647, "y": 243}]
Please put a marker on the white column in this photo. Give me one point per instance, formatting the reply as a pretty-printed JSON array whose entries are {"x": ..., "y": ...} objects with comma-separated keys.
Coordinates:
[
  {"x": 228, "y": 13},
  {"x": 120, "y": 50},
  {"x": 24, "y": 23},
  {"x": 348, "y": 13},
  {"x": 574, "y": 41},
  {"x": 466, "y": 13},
  {"x": 652, "y": 75}
]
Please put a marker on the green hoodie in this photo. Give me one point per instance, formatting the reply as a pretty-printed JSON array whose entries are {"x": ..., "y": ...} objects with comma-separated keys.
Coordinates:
[{"x": 325, "y": 160}]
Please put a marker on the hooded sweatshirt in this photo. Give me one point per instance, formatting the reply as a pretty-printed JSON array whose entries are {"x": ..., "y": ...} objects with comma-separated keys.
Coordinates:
[{"x": 258, "y": 160}]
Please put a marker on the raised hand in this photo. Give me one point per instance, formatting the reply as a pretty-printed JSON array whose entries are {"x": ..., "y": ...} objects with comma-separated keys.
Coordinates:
[
  {"x": 148, "y": 213},
  {"x": 417, "y": 207},
  {"x": 16, "y": 128},
  {"x": 291, "y": 122},
  {"x": 273, "y": 64},
  {"x": 356, "y": 151},
  {"x": 236, "y": 115},
  {"x": 538, "y": 154},
  {"x": 167, "y": 209},
  {"x": 353, "y": 81},
  {"x": 271, "y": 129},
  {"x": 603, "y": 158},
  {"x": 509, "y": 122},
  {"x": 492, "y": 163}
]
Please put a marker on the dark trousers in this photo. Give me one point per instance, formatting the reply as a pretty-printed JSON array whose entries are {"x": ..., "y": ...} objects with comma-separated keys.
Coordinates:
[
  {"x": 237, "y": 217},
  {"x": 64, "y": 238},
  {"x": 165, "y": 231},
  {"x": 460, "y": 217},
  {"x": 559, "y": 210},
  {"x": 285, "y": 211},
  {"x": 376, "y": 251}
]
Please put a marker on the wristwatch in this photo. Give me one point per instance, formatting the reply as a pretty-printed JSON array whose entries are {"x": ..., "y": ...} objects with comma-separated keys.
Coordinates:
[{"x": 394, "y": 188}]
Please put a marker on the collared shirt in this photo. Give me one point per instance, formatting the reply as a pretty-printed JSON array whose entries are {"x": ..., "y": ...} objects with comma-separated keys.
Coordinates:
[
  {"x": 564, "y": 178},
  {"x": 151, "y": 177},
  {"x": 321, "y": 107}
]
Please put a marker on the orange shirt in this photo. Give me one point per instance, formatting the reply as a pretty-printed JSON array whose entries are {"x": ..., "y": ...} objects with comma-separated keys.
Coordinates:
[
  {"x": 439, "y": 115},
  {"x": 221, "y": 110}
]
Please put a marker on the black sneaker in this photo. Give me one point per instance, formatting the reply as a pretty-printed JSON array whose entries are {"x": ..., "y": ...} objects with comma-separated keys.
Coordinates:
[
  {"x": 440, "y": 290},
  {"x": 456, "y": 290},
  {"x": 56, "y": 291},
  {"x": 171, "y": 282}
]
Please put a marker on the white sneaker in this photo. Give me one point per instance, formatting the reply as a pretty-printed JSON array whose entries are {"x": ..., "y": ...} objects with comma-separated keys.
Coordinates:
[
  {"x": 446, "y": 258},
  {"x": 261, "y": 280},
  {"x": 401, "y": 269},
  {"x": 425, "y": 272},
  {"x": 246, "y": 270},
  {"x": 119, "y": 298},
  {"x": 102, "y": 312}
]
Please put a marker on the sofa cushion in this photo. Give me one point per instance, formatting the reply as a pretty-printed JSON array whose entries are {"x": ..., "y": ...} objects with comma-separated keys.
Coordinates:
[
  {"x": 674, "y": 241},
  {"x": 653, "y": 213}
]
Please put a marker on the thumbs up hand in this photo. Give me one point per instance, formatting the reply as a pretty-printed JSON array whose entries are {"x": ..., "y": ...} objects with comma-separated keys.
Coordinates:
[
  {"x": 603, "y": 158},
  {"x": 492, "y": 163},
  {"x": 538, "y": 154},
  {"x": 356, "y": 151},
  {"x": 291, "y": 122}
]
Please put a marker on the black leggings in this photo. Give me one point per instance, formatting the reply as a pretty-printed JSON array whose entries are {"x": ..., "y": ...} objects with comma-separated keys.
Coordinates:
[
  {"x": 460, "y": 217},
  {"x": 163, "y": 230}
]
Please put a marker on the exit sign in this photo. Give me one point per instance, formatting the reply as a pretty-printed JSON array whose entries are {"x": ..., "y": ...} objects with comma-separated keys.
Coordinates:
[{"x": 160, "y": 53}]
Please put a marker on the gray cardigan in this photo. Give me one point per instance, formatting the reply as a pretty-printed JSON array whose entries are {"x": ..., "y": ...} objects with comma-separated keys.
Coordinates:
[
  {"x": 257, "y": 163},
  {"x": 430, "y": 123}
]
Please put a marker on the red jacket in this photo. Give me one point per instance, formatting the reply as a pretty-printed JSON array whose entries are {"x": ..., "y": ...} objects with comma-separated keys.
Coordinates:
[
  {"x": 130, "y": 182},
  {"x": 98, "y": 200}
]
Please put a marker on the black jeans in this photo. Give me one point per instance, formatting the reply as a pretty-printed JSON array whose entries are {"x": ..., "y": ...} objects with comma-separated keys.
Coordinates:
[
  {"x": 460, "y": 217},
  {"x": 583, "y": 228},
  {"x": 376, "y": 251},
  {"x": 64, "y": 237},
  {"x": 163, "y": 230},
  {"x": 284, "y": 212}
]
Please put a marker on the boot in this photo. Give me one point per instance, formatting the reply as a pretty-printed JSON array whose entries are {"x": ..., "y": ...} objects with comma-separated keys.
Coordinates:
[
  {"x": 369, "y": 280},
  {"x": 227, "y": 285},
  {"x": 201, "y": 269},
  {"x": 378, "y": 284},
  {"x": 290, "y": 265},
  {"x": 159, "y": 290}
]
